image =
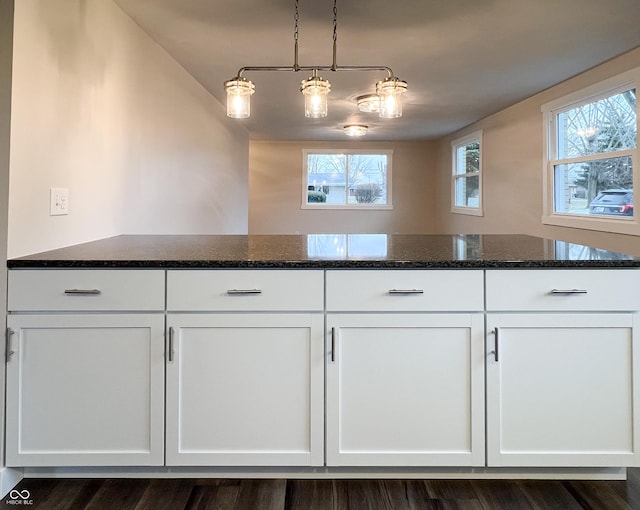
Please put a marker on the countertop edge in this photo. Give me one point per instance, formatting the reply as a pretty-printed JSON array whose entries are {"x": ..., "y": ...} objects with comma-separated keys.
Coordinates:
[{"x": 321, "y": 264}]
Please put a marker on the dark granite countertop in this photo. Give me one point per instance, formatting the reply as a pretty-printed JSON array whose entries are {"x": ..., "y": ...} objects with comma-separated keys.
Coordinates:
[{"x": 349, "y": 251}]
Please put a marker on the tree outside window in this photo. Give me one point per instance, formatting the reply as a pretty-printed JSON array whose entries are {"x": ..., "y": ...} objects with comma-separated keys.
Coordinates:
[{"x": 347, "y": 179}]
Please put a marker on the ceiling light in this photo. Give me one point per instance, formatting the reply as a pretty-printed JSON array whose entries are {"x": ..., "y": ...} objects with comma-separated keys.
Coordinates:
[
  {"x": 355, "y": 129},
  {"x": 390, "y": 89},
  {"x": 315, "y": 89},
  {"x": 368, "y": 103},
  {"x": 239, "y": 93}
]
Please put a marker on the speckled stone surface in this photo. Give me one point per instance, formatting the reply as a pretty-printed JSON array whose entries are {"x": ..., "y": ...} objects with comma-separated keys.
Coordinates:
[{"x": 348, "y": 251}]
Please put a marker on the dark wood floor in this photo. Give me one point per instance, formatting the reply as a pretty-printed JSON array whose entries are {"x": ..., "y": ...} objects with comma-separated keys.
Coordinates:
[{"x": 113, "y": 494}]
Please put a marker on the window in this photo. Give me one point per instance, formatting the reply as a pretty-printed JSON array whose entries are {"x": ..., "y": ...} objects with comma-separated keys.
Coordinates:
[
  {"x": 348, "y": 179},
  {"x": 466, "y": 183},
  {"x": 590, "y": 159}
]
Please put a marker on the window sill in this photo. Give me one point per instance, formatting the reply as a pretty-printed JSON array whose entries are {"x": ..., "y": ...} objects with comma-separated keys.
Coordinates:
[
  {"x": 354, "y": 207},
  {"x": 469, "y": 211},
  {"x": 627, "y": 226}
]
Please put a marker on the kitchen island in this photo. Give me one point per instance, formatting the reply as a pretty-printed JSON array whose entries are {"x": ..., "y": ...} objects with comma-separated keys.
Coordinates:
[{"x": 324, "y": 355}]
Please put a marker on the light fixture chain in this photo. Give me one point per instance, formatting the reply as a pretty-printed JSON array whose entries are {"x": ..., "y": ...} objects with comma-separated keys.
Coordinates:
[
  {"x": 296, "y": 19},
  {"x": 334, "y": 66},
  {"x": 335, "y": 20},
  {"x": 296, "y": 67}
]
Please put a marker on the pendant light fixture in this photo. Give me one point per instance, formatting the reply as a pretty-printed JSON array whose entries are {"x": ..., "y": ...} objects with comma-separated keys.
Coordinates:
[{"x": 316, "y": 89}]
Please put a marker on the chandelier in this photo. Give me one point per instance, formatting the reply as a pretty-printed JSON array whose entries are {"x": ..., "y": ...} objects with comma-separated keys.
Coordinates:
[{"x": 386, "y": 101}]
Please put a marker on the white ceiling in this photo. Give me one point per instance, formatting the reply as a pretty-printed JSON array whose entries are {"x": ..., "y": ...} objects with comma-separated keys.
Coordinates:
[{"x": 463, "y": 59}]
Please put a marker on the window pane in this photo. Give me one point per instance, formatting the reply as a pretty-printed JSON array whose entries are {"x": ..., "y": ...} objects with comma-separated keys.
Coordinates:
[
  {"x": 326, "y": 178},
  {"x": 468, "y": 191},
  {"x": 598, "y": 187},
  {"x": 603, "y": 126},
  {"x": 468, "y": 158},
  {"x": 367, "y": 179}
]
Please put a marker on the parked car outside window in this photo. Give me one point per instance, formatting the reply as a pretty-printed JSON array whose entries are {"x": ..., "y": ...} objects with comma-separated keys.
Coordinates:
[{"x": 613, "y": 202}]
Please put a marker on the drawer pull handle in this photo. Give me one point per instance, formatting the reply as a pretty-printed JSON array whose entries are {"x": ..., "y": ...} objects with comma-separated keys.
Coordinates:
[
  {"x": 567, "y": 292},
  {"x": 83, "y": 292},
  {"x": 9, "y": 351},
  {"x": 496, "y": 351},
  {"x": 333, "y": 345},
  {"x": 170, "y": 346},
  {"x": 405, "y": 291},
  {"x": 236, "y": 292}
]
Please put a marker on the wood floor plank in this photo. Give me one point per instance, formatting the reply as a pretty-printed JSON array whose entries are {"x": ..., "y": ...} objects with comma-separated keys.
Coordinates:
[
  {"x": 629, "y": 489},
  {"x": 262, "y": 494},
  {"x": 359, "y": 495},
  {"x": 69, "y": 494},
  {"x": 596, "y": 494},
  {"x": 165, "y": 494},
  {"x": 309, "y": 494},
  {"x": 500, "y": 494},
  {"x": 213, "y": 497},
  {"x": 450, "y": 489},
  {"x": 548, "y": 495},
  {"x": 118, "y": 493}
]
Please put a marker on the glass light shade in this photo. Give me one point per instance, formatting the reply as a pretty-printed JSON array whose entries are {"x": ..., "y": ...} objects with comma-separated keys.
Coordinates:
[
  {"x": 390, "y": 91},
  {"x": 355, "y": 129},
  {"x": 315, "y": 92},
  {"x": 368, "y": 103},
  {"x": 239, "y": 91}
]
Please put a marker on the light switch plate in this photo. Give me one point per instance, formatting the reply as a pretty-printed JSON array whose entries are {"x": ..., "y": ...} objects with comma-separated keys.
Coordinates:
[{"x": 59, "y": 204}]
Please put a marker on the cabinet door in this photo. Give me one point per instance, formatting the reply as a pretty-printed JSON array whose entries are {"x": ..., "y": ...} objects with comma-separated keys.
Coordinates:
[
  {"x": 561, "y": 391},
  {"x": 245, "y": 390},
  {"x": 85, "y": 390},
  {"x": 405, "y": 390}
]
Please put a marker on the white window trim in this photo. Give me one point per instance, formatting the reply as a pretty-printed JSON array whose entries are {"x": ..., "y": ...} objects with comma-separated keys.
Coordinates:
[
  {"x": 455, "y": 145},
  {"x": 550, "y": 110},
  {"x": 359, "y": 207}
]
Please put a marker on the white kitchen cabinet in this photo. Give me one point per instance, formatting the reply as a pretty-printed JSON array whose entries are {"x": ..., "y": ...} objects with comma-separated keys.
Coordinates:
[
  {"x": 561, "y": 390},
  {"x": 245, "y": 374},
  {"x": 405, "y": 389},
  {"x": 85, "y": 388},
  {"x": 245, "y": 390}
]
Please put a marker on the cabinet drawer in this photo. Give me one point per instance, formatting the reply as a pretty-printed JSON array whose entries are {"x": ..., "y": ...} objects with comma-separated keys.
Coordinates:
[
  {"x": 245, "y": 290},
  {"x": 405, "y": 291},
  {"x": 81, "y": 289},
  {"x": 566, "y": 290}
]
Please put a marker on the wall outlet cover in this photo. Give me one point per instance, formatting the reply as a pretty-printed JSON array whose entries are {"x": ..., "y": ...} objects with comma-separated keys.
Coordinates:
[{"x": 59, "y": 203}]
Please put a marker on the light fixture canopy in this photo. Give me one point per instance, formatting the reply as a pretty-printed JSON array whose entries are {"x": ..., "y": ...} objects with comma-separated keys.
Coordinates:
[
  {"x": 316, "y": 89},
  {"x": 369, "y": 103},
  {"x": 239, "y": 92},
  {"x": 390, "y": 89},
  {"x": 355, "y": 129}
]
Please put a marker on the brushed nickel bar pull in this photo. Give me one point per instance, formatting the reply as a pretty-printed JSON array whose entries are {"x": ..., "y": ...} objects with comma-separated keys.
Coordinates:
[
  {"x": 561, "y": 292},
  {"x": 8, "y": 350},
  {"x": 406, "y": 291},
  {"x": 496, "y": 351},
  {"x": 170, "y": 347},
  {"x": 235, "y": 292},
  {"x": 333, "y": 345},
  {"x": 83, "y": 292}
]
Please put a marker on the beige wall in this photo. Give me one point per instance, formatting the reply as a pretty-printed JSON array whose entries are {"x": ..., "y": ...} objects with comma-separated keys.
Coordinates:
[
  {"x": 275, "y": 191},
  {"x": 101, "y": 109},
  {"x": 6, "y": 38},
  {"x": 512, "y": 166}
]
